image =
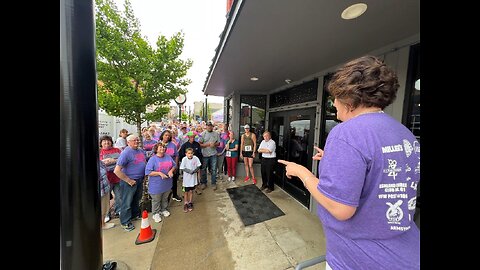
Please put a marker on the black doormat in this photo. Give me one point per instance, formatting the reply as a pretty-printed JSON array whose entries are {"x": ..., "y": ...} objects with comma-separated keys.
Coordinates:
[{"x": 252, "y": 205}]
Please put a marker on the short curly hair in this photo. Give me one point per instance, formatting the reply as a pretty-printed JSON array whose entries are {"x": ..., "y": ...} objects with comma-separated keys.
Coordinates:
[
  {"x": 365, "y": 81},
  {"x": 157, "y": 145},
  {"x": 106, "y": 138}
]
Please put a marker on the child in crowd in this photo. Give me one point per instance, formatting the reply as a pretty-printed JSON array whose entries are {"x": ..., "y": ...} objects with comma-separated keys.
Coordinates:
[{"x": 190, "y": 166}]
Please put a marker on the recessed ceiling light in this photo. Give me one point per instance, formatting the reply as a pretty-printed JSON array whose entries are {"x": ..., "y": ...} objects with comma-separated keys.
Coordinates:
[
  {"x": 253, "y": 79},
  {"x": 354, "y": 11}
]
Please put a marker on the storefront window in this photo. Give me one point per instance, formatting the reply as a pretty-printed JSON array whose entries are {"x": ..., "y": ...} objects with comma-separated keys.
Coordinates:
[{"x": 411, "y": 117}]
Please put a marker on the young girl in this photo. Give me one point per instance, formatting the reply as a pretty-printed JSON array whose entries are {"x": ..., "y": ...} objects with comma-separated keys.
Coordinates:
[{"x": 190, "y": 166}]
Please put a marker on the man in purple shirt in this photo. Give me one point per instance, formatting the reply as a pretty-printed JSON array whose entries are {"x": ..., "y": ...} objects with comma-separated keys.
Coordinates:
[
  {"x": 130, "y": 169},
  {"x": 369, "y": 174}
]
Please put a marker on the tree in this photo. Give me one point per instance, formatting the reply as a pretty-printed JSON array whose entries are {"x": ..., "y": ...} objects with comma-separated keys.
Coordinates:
[
  {"x": 185, "y": 117},
  {"x": 133, "y": 76}
]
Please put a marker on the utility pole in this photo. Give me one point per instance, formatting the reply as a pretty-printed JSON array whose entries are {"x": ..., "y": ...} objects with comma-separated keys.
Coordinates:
[{"x": 206, "y": 108}]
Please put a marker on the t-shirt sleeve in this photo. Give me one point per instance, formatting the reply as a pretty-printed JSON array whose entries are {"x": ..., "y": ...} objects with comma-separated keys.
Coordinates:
[
  {"x": 342, "y": 172},
  {"x": 150, "y": 166},
  {"x": 183, "y": 163},
  {"x": 123, "y": 159}
]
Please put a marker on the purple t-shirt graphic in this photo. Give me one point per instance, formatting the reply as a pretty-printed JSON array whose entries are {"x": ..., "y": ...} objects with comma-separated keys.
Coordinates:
[
  {"x": 133, "y": 162},
  {"x": 156, "y": 184},
  {"x": 171, "y": 150},
  {"x": 371, "y": 162}
]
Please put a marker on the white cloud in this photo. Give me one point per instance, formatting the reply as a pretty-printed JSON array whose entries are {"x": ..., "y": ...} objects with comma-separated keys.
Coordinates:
[{"x": 202, "y": 22}]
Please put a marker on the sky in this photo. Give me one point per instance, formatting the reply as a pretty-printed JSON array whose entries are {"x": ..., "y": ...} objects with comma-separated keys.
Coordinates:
[{"x": 202, "y": 22}]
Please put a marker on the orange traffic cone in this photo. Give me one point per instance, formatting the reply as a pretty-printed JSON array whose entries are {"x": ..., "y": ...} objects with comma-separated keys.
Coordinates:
[{"x": 146, "y": 233}]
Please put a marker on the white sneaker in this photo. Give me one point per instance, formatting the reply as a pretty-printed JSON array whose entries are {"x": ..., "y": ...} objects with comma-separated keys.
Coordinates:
[
  {"x": 157, "y": 218},
  {"x": 230, "y": 178},
  {"x": 108, "y": 226},
  {"x": 166, "y": 213},
  {"x": 106, "y": 219}
]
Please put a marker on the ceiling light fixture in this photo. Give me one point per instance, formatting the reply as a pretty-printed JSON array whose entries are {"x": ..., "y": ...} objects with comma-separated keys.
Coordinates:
[
  {"x": 354, "y": 11},
  {"x": 288, "y": 80},
  {"x": 253, "y": 79}
]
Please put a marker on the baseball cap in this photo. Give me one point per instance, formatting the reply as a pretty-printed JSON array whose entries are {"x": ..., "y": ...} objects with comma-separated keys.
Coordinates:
[
  {"x": 209, "y": 123},
  {"x": 246, "y": 126}
]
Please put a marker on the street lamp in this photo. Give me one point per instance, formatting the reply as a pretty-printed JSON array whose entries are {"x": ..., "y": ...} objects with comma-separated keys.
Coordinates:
[{"x": 180, "y": 100}]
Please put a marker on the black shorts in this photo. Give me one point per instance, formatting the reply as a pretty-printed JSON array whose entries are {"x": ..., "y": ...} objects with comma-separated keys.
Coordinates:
[
  {"x": 247, "y": 154},
  {"x": 187, "y": 189}
]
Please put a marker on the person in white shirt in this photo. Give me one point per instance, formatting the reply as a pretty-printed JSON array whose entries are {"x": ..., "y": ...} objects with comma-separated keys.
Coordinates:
[
  {"x": 121, "y": 141},
  {"x": 190, "y": 166},
  {"x": 267, "y": 148}
]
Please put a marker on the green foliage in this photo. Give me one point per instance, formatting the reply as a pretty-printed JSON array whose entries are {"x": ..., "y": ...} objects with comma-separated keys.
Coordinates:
[
  {"x": 132, "y": 75},
  {"x": 184, "y": 116}
]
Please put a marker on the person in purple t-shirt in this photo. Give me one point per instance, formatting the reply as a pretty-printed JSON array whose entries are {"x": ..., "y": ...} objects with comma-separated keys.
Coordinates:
[
  {"x": 160, "y": 169},
  {"x": 369, "y": 173},
  {"x": 130, "y": 169}
]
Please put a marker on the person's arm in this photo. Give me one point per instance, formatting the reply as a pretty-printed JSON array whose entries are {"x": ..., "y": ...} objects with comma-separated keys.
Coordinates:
[
  {"x": 187, "y": 170},
  {"x": 202, "y": 142},
  {"x": 241, "y": 146},
  {"x": 254, "y": 138},
  {"x": 123, "y": 176},
  {"x": 236, "y": 146},
  {"x": 217, "y": 141},
  {"x": 174, "y": 167},
  {"x": 263, "y": 149},
  {"x": 338, "y": 210}
]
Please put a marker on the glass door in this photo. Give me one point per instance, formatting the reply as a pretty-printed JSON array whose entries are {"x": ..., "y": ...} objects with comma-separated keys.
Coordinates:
[
  {"x": 292, "y": 132},
  {"x": 277, "y": 128}
]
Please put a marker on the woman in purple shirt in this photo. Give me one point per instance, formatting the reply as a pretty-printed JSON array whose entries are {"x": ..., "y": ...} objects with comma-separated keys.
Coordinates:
[
  {"x": 160, "y": 169},
  {"x": 369, "y": 174}
]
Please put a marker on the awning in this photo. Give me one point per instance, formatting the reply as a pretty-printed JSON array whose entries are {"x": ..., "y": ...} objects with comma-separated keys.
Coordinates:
[{"x": 278, "y": 40}]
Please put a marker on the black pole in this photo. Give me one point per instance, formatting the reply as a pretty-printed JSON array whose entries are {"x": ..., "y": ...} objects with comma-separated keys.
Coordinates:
[
  {"x": 179, "y": 113},
  {"x": 206, "y": 109},
  {"x": 80, "y": 232}
]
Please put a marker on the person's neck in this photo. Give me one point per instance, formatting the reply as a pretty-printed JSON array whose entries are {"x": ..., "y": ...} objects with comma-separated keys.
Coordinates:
[{"x": 366, "y": 110}]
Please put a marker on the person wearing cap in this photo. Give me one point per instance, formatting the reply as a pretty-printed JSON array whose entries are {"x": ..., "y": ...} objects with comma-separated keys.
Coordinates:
[
  {"x": 248, "y": 144},
  {"x": 209, "y": 140}
]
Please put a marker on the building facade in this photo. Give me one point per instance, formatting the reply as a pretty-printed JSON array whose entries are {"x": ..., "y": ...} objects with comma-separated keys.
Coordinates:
[{"x": 275, "y": 58}]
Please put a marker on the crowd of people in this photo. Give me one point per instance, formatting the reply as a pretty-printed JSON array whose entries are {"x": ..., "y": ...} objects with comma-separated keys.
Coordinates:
[
  {"x": 168, "y": 151},
  {"x": 367, "y": 175}
]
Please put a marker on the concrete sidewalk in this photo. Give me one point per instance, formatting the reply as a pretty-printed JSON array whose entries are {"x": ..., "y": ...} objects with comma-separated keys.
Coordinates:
[{"x": 213, "y": 236}]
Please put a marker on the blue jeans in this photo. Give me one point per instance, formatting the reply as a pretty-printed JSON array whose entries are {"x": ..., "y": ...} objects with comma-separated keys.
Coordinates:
[
  {"x": 131, "y": 196},
  {"x": 210, "y": 162}
]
